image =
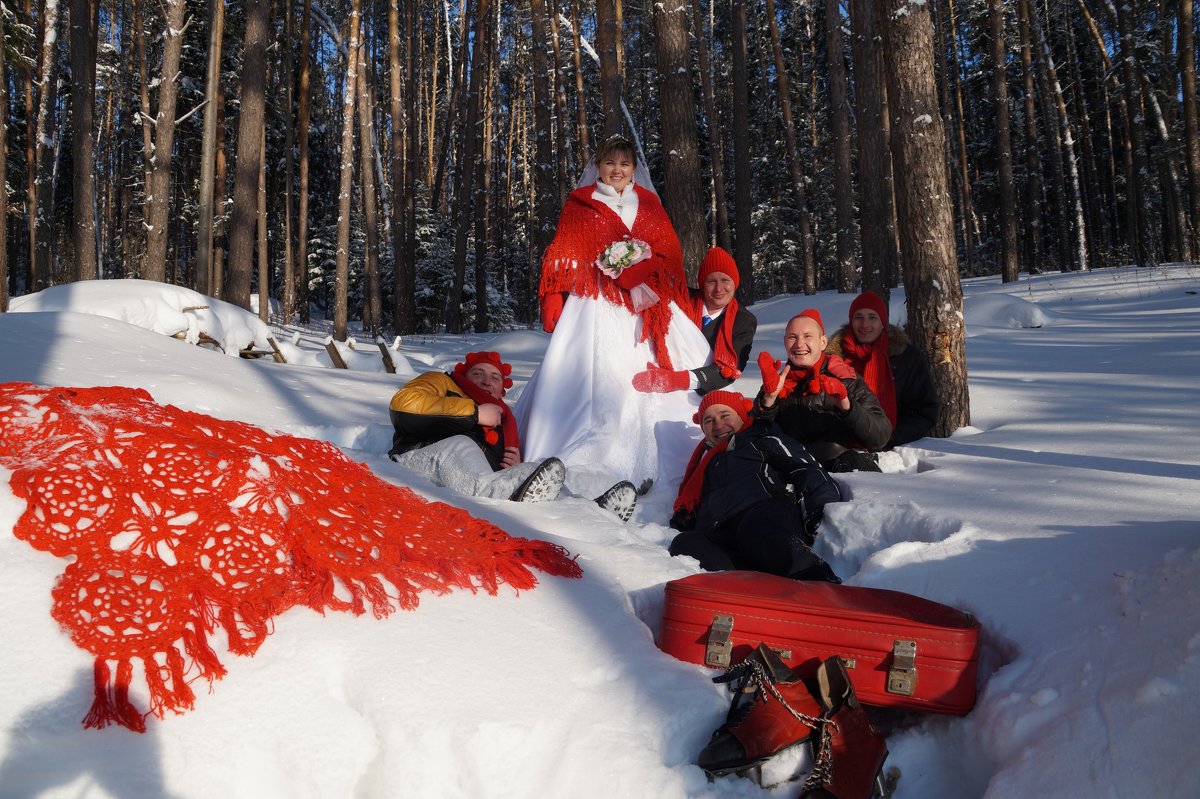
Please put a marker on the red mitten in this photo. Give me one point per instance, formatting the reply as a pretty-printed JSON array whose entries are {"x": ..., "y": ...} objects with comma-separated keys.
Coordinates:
[
  {"x": 657, "y": 380},
  {"x": 835, "y": 390},
  {"x": 635, "y": 275},
  {"x": 770, "y": 372},
  {"x": 552, "y": 305},
  {"x": 839, "y": 368}
]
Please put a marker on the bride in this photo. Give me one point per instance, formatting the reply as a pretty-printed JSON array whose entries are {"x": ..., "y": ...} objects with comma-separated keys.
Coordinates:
[{"x": 607, "y": 325}]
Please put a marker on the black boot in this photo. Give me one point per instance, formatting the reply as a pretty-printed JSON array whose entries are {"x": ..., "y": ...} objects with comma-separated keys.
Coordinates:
[{"x": 621, "y": 499}]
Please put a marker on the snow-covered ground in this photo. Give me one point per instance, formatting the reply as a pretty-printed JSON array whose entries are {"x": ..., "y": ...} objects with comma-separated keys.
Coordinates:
[{"x": 1065, "y": 518}]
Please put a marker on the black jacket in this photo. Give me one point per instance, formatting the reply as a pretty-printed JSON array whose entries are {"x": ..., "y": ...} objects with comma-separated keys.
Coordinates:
[
  {"x": 745, "y": 325},
  {"x": 826, "y": 430},
  {"x": 759, "y": 464},
  {"x": 916, "y": 398}
]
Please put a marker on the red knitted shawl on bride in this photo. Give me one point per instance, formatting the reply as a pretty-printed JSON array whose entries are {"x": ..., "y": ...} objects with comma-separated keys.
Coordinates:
[
  {"x": 181, "y": 525},
  {"x": 586, "y": 228}
]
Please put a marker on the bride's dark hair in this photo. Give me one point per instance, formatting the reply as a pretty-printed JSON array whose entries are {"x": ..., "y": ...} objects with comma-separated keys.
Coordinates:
[{"x": 612, "y": 145}]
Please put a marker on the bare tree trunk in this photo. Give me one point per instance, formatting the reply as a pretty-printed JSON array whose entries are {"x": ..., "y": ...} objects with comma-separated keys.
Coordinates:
[
  {"x": 438, "y": 197},
  {"x": 1008, "y": 204},
  {"x": 346, "y": 182},
  {"x": 31, "y": 80},
  {"x": 839, "y": 123},
  {"x": 303, "y": 114},
  {"x": 482, "y": 189},
  {"x": 546, "y": 212},
  {"x": 560, "y": 104},
  {"x": 402, "y": 106},
  {"x": 84, "y": 21},
  {"x": 45, "y": 135},
  {"x": 1191, "y": 120},
  {"x": 1135, "y": 122},
  {"x": 935, "y": 320},
  {"x": 158, "y": 170},
  {"x": 208, "y": 147},
  {"x": 264, "y": 263},
  {"x": 288, "y": 308},
  {"x": 683, "y": 196},
  {"x": 408, "y": 313},
  {"x": 716, "y": 144},
  {"x": 608, "y": 42},
  {"x": 969, "y": 220},
  {"x": 252, "y": 101},
  {"x": 742, "y": 178},
  {"x": 808, "y": 263},
  {"x": 221, "y": 227},
  {"x": 373, "y": 301},
  {"x": 581, "y": 126},
  {"x": 3, "y": 178},
  {"x": 1033, "y": 164},
  {"x": 874, "y": 187}
]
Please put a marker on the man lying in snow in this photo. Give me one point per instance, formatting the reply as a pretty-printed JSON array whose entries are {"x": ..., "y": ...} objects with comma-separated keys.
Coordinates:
[
  {"x": 456, "y": 429},
  {"x": 751, "y": 497}
]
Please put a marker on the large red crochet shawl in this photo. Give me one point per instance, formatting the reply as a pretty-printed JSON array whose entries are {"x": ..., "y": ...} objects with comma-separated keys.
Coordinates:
[
  {"x": 180, "y": 524},
  {"x": 586, "y": 228}
]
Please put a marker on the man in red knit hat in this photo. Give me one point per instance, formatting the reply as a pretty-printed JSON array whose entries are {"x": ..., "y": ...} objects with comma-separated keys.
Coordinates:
[
  {"x": 727, "y": 327},
  {"x": 456, "y": 429},
  {"x": 818, "y": 399},
  {"x": 751, "y": 497}
]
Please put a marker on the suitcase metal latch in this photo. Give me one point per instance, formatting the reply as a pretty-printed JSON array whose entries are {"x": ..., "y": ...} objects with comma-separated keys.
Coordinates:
[
  {"x": 719, "y": 651},
  {"x": 902, "y": 677}
]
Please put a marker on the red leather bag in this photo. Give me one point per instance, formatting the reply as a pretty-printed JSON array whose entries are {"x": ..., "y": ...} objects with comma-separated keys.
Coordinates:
[{"x": 900, "y": 650}]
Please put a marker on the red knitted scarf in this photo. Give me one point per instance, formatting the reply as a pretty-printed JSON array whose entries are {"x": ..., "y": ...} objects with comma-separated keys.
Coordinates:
[
  {"x": 508, "y": 423},
  {"x": 724, "y": 355},
  {"x": 178, "y": 522},
  {"x": 693, "y": 476},
  {"x": 585, "y": 228},
  {"x": 871, "y": 361},
  {"x": 805, "y": 381}
]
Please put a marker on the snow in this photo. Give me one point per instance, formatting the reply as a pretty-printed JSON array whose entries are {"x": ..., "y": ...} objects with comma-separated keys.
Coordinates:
[{"x": 1064, "y": 518}]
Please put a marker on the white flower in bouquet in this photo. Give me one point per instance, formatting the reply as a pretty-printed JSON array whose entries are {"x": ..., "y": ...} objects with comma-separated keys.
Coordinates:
[{"x": 620, "y": 255}]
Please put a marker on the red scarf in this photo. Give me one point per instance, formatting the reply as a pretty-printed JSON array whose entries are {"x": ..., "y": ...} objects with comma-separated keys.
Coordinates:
[
  {"x": 724, "y": 355},
  {"x": 693, "y": 476},
  {"x": 585, "y": 229},
  {"x": 508, "y": 424},
  {"x": 871, "y": 361}
]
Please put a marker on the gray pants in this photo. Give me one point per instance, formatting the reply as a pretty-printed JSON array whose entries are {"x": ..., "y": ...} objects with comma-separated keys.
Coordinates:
[{"x": 457, "y": 463}]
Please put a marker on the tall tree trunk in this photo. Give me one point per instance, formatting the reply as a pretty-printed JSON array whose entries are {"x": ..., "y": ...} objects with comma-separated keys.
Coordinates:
[
  {"x": 438, "y": 198},
  {"x": 373, "y": 301},
  {"x": 288, "y": 308},
  {"x": 1191, "y": 119},
  {"x": 402, "y": 106},
  {"x": 303, "y": 115},
  {"x": 839, "y": 124},
  {"x": 560, "y": 104},
  {"x": 341, "y": 286},
  {"x": 1136, "y": 200},
  {"x": 608, "y": 43},
  {"x": 468, "y": 152},
  {"x": 158, "y": 170},
  {"x": 743, "y": 234},
  {"x": 716, "y": 143},
  {"x": 482, "y": 190},
  {"x": 84, "y": 22},
  {"x": 546, "y": 212},
  {"x": 581, "y": 125},
  {"x": 3, "y": 178},
  {"x": 683, "y": 196},
  {"x": 408, "y": 314},
  {"x": 264, "y": 263},
  {"x": 808, "y": 266},
  {"x": 251, "y": 104},
  {"x": 1009, "y": 269},
  {"x": 1033, "y": 164},
  {"x": 45, "y": 135},
  {"x": 208, "y": 147},
  {"x": 874, "y": 186},
  {"x": 31, "y": 80},
  {"x": 969, "y": 223},
  {"x": 932, "y": 289}
]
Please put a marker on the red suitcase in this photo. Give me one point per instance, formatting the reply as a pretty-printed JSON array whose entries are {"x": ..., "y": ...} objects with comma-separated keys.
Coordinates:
[{"x": 900, "y": 650}]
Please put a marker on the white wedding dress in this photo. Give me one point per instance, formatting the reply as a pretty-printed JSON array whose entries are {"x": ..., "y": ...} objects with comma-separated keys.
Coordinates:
[{"x": 580, "y": 404}]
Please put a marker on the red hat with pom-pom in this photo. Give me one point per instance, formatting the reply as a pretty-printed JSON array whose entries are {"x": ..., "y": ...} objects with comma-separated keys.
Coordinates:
[
  {"x": 717, "y": 260},
  {"x": 493, "y": 358}
]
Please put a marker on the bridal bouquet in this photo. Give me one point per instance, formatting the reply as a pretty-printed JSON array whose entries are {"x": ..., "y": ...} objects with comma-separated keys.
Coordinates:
[{"x": 620, "y": 255}]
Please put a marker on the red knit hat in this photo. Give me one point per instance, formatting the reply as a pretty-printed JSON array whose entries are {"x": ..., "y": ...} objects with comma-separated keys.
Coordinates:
[
  {"x": 813, "y": 314},
  {"x": 474, "y": 358},
  {"x": 717, "y": 260},
  {"x": 734, "y": 400},
  {"x": 870, "y": 301}
]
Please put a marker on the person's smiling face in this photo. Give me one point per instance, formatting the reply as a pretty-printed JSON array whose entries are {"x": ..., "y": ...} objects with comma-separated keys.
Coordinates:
[
  {"x": 719, "y": 422},
  {"x": 718, "y": 290},
  {"x": 804, "y": 341},
  {"x": 616, "y": 170},
  {"x": 488, "y": 378},
  {"x": 867, "y": 325}
]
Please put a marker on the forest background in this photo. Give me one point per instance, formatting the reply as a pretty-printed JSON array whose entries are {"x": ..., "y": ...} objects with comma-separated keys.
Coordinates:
[{"x": 403, "y": 164}]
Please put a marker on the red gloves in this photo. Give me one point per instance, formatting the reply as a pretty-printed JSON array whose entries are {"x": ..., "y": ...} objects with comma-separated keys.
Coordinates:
[
  {"x": 552, "y": 305},
  {"x": 635, "y": 275},
  {"x": 834, "y": 389},
  {"x": 657, "y": 380},
  {"x": 770, "y": 372}
]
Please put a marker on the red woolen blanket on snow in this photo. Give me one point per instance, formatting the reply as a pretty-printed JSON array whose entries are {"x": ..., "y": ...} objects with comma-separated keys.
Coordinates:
[{"x": 180, "y": 522}]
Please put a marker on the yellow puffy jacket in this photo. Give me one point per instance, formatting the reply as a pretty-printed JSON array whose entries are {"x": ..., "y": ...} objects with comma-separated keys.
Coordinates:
[{"x": 431, "y": 407}]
